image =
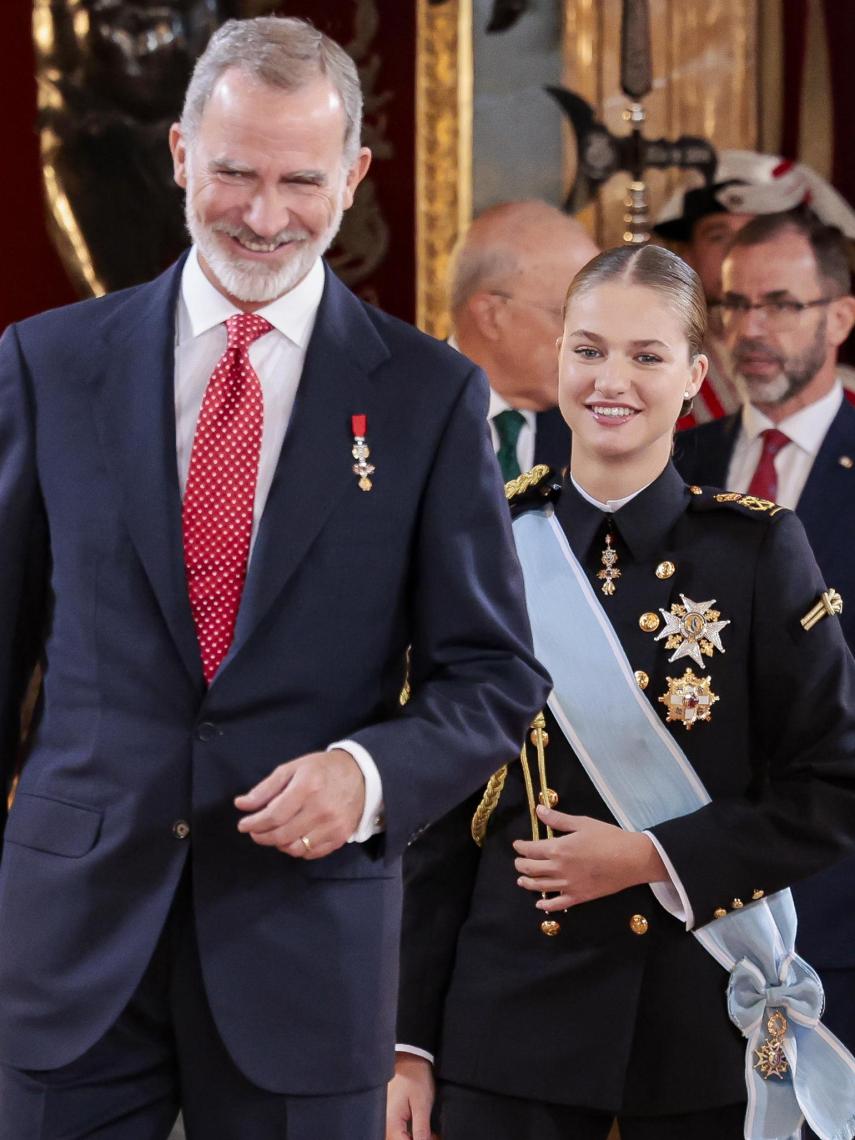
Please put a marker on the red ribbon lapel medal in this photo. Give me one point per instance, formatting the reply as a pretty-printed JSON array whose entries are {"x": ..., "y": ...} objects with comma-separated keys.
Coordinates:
[{"x": 361, "y": 452}]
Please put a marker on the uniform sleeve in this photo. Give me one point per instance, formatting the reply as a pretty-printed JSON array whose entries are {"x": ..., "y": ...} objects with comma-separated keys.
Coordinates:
[
  {"x": 475, "y": 681},
  {"x": 799, "y": 815},
  {"x": 22, "y": 555},
  {"x": 439, "y": 875}
]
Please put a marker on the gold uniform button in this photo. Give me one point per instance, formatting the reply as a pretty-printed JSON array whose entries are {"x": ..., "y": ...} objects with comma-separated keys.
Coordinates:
[
  {"x": 641, "y": 678},
  {"x": 548, "y": 798},
  {"x": 737, "y": 904},
  {"x": 758, "y": 894},
  {"x": 649, "y": 622},
  {"x": 846, "y": 461},
  {"x": 638, "y": 924},
  {"x": 665, "y": 569},
  {"x": 181, "y": 829},
  {"x": 719, "y": 912},
  {"x": 696, "y": 490}
]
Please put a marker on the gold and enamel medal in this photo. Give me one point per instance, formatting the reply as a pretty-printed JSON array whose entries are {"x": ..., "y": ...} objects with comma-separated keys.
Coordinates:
[
  {"x": 693, "y": 630},
  {"x": 688, "y": 699},
  {"x": 610, "y": 572}
]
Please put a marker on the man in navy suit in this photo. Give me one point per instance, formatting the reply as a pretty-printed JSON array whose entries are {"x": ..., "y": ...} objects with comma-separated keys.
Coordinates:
[
  {"x": 786, "y": 308},
  {"x": 509, "y": 275},
  {"x": 230, "y": 500}
]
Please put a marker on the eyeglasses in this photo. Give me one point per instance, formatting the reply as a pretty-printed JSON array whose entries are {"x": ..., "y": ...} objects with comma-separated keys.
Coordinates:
[
  {"x": 779, "y": 315},
  {"x": 550, "y": 310}
]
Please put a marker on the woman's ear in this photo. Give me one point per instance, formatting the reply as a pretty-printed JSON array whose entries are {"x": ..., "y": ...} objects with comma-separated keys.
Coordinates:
[{"x": 700, "y": 366}]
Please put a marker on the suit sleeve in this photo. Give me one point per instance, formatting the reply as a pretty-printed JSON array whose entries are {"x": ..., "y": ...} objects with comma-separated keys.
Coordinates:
[
  {"x": 800, "y": 815},
  {"x": 22, "y": 555},
  {"x": 474, "y": 679},
  {"x": 439, "y": 875}
]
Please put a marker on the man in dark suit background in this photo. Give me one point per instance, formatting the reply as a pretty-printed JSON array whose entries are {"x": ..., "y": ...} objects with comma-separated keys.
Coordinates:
[
  {"x": 230, "y": 500},
  {"x": 786, "y": 308},
  {"x": 509, "y": 275}
]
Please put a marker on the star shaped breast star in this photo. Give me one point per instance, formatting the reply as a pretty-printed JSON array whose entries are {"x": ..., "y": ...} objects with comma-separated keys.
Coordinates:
[{"x": 693, "y": 630}]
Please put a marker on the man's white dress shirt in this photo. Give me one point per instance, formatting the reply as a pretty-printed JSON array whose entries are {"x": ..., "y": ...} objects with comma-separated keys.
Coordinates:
[{"x": 278, "y": 359}]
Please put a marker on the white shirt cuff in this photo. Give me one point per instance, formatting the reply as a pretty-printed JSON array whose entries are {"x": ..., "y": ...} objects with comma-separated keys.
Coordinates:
[
  {"x": 415, "y": 1050},
  {"x": 671, "y": 895},
  {"x": 372, "y": 821}
]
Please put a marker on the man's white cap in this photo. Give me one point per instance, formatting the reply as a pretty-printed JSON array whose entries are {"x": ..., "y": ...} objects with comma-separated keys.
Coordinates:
[{"x": 750, "y": 183}]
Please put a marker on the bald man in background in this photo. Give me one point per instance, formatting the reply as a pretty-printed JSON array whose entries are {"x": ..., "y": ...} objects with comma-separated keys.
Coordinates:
[{"x": 509, "y": 275}]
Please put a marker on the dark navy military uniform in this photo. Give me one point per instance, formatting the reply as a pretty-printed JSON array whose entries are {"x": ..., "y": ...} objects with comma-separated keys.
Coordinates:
[{"x": 623, "y": 1012}]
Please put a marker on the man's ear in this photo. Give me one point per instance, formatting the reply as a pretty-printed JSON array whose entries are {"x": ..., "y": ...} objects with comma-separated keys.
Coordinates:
[
  {"x": 487, "y": 312},
  {"x": 841, "y": 318},
  {"x": 355, "y": 175},
  {"x": 178, "y": 149}
]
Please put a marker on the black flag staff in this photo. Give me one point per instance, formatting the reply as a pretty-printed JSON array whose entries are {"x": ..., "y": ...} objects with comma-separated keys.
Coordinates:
[{"x": 601, "y": 154}]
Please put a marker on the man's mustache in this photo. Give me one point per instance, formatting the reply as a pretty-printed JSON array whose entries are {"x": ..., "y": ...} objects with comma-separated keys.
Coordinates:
[
  {"x": 245, "y": 234},
  {"x": 749, "y": 347}
]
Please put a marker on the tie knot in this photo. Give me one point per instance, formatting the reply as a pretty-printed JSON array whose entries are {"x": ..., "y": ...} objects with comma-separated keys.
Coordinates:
[
  {"x": 509, "y": 425},
  {"x": 773, "y": 441},
  {"x": 244, "y": 328}
]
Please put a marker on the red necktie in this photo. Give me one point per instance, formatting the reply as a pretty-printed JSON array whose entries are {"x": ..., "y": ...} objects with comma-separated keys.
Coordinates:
[
  {"x": 764, "y": 481},
  {"x": 218, "y": 501}
]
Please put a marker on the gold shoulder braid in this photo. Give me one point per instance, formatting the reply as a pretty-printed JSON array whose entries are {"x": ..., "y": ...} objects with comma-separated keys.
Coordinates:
[
  {"x": 523, "y": 482},
  {"x": 549, "y": 798},
  {"x": 829, "y": 604}
]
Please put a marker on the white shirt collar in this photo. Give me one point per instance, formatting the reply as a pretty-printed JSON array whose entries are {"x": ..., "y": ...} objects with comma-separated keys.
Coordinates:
[
  {"x": 203, "y": 307},
  {"x": 807, "y": 427},
  {"x": 610, "y": 505}
]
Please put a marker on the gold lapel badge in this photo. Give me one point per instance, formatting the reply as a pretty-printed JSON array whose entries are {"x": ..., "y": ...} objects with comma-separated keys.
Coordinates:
[
  {"x": 693, "y": 629},
  {"x": 361, "y": 451},
  {"x": 688, "y": 699},
  {"x": 610, "y": 572},
  {"x": 830, "y": 603},
  {"x": 771, "y": 1059}
]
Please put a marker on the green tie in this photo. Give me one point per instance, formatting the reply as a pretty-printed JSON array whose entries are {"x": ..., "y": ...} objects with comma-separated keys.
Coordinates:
[{"x": 508, "y": 426}]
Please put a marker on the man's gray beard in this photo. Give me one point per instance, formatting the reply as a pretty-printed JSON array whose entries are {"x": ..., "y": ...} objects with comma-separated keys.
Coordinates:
[
  {"x": 248, "y": 281},
  {"x": 794, "y": 377}
]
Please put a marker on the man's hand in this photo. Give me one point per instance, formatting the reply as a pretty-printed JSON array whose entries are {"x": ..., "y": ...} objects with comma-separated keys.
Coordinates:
[
  {"x": 592, "y": 860},
  {"x": 410, "y": 1099},
  {"x": 307, "y": 807}
]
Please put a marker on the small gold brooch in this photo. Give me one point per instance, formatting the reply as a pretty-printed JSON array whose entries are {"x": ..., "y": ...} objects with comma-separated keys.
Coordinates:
[{"x": 688, "y": 699}]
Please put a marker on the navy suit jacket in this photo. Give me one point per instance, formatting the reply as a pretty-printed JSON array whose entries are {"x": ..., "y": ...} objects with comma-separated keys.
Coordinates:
[
  {"x": 826, "y": 903},
  {"x": 299, "y": 958}
]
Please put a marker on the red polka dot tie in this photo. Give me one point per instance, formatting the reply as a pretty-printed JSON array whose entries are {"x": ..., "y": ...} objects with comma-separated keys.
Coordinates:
[{"x": 218, "y": 500}]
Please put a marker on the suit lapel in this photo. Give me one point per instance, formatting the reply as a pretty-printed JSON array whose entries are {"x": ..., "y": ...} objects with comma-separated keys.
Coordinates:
[
  {"x": 315, "y": 464},
  {"x": 135, "y": 417},
  {"x": 831, "y": 483}
]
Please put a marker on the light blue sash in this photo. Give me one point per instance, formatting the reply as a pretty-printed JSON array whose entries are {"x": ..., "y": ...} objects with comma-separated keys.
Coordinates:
[{"x": 606, "y": 718}]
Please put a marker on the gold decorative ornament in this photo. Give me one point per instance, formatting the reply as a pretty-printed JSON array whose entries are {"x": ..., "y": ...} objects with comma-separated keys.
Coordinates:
[
  {"x": 771, "y": 1059},
  {"x": 649, "y": 622},
  {"x": 489, "y": 801},
  {"x": 719, "y": 912},
  {"x": 830, "y": 604},
  {"x": 550, "y": 927},
  {"x": 750, "y": 501},
  {"x": 665, "y": 570},
  {"x": 757, "y": 894},
  {"x": 846, "y": 461},
  {"x": 737, "y": 904},
  {"x": 522, "y": 483},
  {"x": 641, "y": 679},
  {"x": 696, "y": 490},
  {"x": 610, "y": 572},
  {"x": 638, "y": 924},
  {"x": 688, "y": 699},
  {"x": 692, "y": 629},
  {"x": 548, "y": 798}
]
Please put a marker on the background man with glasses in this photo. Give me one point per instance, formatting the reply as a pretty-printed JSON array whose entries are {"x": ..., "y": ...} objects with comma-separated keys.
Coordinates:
[
  {"x": 785, "y": 310},
  {"x": 509, "y": 276}
]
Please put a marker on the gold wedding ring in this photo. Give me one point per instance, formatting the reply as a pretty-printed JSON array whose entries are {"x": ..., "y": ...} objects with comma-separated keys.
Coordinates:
[{"x": 304, "y": 839}]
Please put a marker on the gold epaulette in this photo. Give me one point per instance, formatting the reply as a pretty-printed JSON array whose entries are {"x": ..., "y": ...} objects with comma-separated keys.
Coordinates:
[
  {"x": 749, "y": 501},
  {"x": 524, "y": 482}
]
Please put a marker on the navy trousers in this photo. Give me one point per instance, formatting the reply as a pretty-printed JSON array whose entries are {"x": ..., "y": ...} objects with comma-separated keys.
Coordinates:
[
  {"x": 469, "y": 1114},
  {"x": 164, "y": 1053}
]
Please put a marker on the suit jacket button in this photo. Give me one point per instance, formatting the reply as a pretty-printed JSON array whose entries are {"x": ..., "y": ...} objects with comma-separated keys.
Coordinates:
[
  {"x": 181, "y": 829},
  {"x": 638, "y": 924},
  {"x": 206, "y": 731}
]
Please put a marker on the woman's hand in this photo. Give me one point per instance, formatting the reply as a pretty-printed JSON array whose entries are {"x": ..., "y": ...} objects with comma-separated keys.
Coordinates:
[
  {"x": 410, "y": 1099},
  {"x": 592, "y": 859}
]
